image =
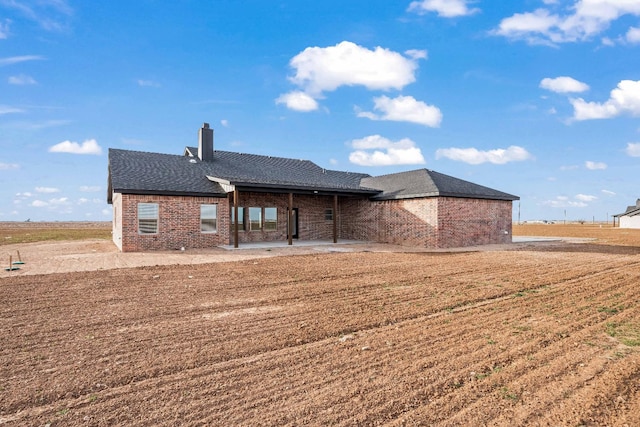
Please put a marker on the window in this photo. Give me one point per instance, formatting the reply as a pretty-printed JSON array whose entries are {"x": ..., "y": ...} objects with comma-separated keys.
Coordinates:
[
  {"x": 328, "y": 214},
  {"x": 270, "y": 219},
  {"x": 208, "y": 218},
  {"x": 147, "y": 218},
  {"x": 240, "y": 218},
  {"x": 255, "y": 219}
]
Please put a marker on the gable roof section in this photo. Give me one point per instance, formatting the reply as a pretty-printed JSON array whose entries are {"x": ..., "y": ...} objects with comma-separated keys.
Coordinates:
[
  {"x": 153, "y": 173},
  {"x": 428, "y": 183},
  {"x": 137, "y": 172},
  {"x": 251, "y": 170}
]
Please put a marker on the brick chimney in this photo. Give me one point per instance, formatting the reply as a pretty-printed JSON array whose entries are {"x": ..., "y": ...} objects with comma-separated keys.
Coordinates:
[{"x": 205, "y": 143}]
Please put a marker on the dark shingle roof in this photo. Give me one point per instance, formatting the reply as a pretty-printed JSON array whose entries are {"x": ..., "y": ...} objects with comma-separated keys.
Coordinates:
[
  {"x": 428, "y": 183},
  {"x": 153, "y": 173},
  {"x": 253, "y": 170}
]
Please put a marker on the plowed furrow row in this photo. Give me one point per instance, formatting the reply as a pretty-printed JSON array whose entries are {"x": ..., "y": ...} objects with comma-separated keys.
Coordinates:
[{"x": 456, "y": 339}]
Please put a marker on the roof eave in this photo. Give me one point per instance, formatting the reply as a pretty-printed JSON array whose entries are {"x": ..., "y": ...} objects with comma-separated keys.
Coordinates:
[
  {"x": 168, "y": 193},
  {"x": 306, "y": 189},
  {"x": 506, "y": 197}
]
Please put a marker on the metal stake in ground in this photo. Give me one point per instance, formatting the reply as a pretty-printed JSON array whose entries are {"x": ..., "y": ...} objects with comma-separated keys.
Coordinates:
[
  {"x": 19, "y": 261},
  {"x": 11, "y": 267}
]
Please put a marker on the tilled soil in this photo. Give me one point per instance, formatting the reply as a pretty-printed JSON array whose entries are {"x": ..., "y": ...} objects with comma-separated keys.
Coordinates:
[{"x": 542, "y": 335}]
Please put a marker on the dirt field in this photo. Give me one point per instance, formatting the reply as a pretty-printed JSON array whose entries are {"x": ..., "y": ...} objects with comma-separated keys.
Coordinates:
[{"x": 544, "y": 333}]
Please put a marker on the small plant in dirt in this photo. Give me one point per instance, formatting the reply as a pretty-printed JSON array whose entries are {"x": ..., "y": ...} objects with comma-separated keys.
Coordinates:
[
  {"x": 628, "y": 333},
  {"x": 508, "y": 394},
  {"x": 608, "y": 310}
]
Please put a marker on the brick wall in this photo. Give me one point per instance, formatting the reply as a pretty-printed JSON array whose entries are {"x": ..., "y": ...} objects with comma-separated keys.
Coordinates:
[
  {"x": 409, "y": 222},
  {"x": 178, "y": 223},
  {"x": 469, "y": 222},
  {"x": 437, "y": 222}
]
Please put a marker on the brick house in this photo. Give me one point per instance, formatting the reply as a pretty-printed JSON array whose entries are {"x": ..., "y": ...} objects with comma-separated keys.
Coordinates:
[{"x": 206, "y": 198}]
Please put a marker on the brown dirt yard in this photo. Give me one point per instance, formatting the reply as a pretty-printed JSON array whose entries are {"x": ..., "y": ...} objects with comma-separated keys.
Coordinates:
[{"x": 534, "y": 333}]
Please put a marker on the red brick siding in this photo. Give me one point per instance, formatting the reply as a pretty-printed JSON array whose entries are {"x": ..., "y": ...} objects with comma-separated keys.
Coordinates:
[
  {"x": 409, "y": 222},
  {"x": 468, "y": 222},
  {"x": 437, "y": 222},
  {"x": 178, "y": 223}
]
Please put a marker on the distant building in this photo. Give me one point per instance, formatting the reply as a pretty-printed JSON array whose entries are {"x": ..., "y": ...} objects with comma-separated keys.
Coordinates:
[
  {"x": 206, "y": 198},
  {"x": 631, "y": 217}
]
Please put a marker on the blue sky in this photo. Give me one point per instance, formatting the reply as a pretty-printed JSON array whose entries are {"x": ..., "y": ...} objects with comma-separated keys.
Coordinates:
[{"x": 538, "y": 98}]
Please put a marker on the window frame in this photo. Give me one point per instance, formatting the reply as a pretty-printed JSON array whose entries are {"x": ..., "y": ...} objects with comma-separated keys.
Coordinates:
[
  {"x": 150, "y": 212},
  {"x": 269, "y": 224},
  {"x": 253, "y": 210},
  {"x": 328, "y": 214},
  {"x": 212, "y": 219}
]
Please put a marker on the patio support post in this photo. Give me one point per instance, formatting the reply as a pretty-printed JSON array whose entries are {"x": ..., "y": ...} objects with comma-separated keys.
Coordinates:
[
  {"x": 335, "y": 218},
  {"x": 290, "y": 222},
  {"x": 236, "y": 195}
]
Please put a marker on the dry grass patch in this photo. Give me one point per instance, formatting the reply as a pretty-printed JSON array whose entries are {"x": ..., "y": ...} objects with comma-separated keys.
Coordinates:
[
  {"x": 29, "y": 232},
  {"x": 602, "y": 233}
]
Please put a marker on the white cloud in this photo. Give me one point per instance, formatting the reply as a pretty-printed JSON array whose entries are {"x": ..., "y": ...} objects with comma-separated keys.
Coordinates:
[
  {"x": 21, "y": 79},
  {"x": 564, "y": 202},
  {"x": 633, "y": 149},
  {"x": 324, "y": 69},
  {"x": 298, "y": 101},
  {"x": 224, "y": 122},
  {"x": 30, "y": 125},
  {"x": 52, "y": 15},
  {"x": 633, "y": 35},
  {"x": 585, "y": 197},
  {"x": 623, "y": 99},
  {"x": 47, "y": 190},
  {"x": 569, "y": 167},
  {"x": 563, "y": 84},
  {"x": 550, "y": 25},
  {"x": 608, "y": 193},
  {"x": 4, "y": 29},
  {"x": 444, "y": 8},
  {"x": 528, "y": 25},
  {"x": 404, "y": 109},
  {"x": 17, "y": 59},
  {"x": 90, "y": 188},
  {"x": 6, "y": 109},
  {"x": 89, "y": 146},
  {"x": 375, "y": 150},
  {"x": 147, "y": 83},
  {"x": 8, "y": 166},
  {"x": 606, "y": 41},
  {"x": 474, "y": 156},
  {"x": 52, "y": 204},
  {"x": 416, "y": 53},
  {"x": 24, "y": 195},
  {"x": 595, "y": 165}
]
